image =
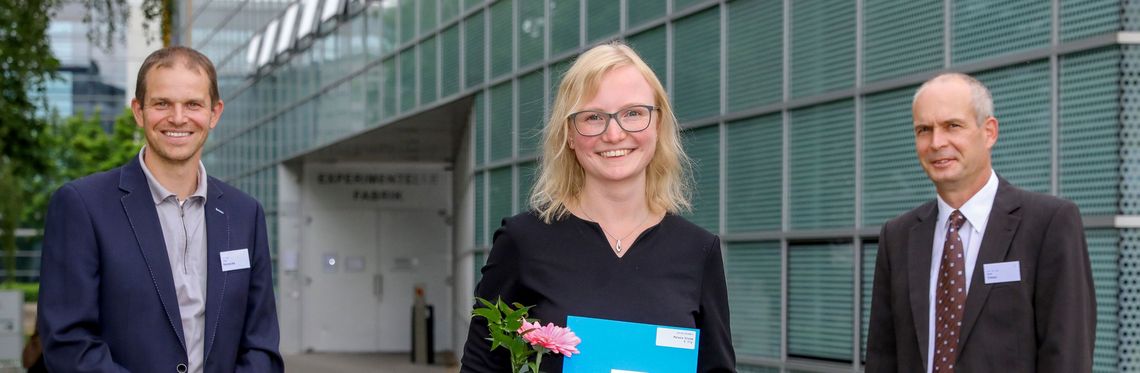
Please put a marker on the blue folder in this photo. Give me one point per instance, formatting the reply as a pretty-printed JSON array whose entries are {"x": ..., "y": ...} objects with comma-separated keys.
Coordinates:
[{"x": 610, "y": 346}]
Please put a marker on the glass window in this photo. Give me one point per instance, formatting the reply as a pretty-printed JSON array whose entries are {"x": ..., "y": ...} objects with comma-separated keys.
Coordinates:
[
  {"x": 755, "y": 54},
  {"x": 822, "y": 166},
  {"x": 696, "y": 91},
  {"x": 564, "y": 18},
  {"x": 502, "y": 121},
  {"x": 603, "y": 19},
  {"x": 1021, "y": 103},
  {"x": 823, "y": 47},
  {"x": 893, "y": 180},
  {"x": 531, "y": 32},
  {"x": 502, "y": 39},
  {"x": 703, "y": 146},
  {"x": 754, "y": 173},
  {"x": 473, "y": 49},
  {"x": 753, "y": 273},
  {"x": 820, "y": 297},
  {"x": 532, "y": 104},
  {"x": 428, "y": 62}
]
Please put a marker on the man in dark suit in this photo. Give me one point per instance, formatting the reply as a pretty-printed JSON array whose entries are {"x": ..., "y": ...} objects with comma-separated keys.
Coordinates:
[
  {"x": 154, "y": 266},
  {"x": 988, "y": 277}
]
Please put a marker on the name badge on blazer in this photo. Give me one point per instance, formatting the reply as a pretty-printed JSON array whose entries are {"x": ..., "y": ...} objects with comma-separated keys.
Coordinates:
[
  {"x": 235, "y": 259},
  {"x": 996, "y": 273}
]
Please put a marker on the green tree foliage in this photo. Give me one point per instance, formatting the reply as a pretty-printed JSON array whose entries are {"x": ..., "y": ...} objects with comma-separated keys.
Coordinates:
[{"x": 36, "y": 156}]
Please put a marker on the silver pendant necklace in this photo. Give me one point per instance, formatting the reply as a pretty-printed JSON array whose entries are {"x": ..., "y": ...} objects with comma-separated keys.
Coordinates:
[{"x": 617, "y": 250}]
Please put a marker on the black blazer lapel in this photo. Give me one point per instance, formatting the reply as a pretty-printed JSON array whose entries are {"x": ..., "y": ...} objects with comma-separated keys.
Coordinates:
[
  {"x": 217, "y": 241},
  {"x": 1003, "y": 222},
  {"x": 138, "y": 203},
  {"x": 918, "y": 268}
]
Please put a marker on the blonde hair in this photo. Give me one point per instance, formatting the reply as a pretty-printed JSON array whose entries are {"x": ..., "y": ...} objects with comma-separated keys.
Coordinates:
[{"x": 560, "y": 177}]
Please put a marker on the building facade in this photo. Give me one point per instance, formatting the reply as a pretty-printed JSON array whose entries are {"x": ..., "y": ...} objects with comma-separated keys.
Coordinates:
[{"x": 387, "y": 139}]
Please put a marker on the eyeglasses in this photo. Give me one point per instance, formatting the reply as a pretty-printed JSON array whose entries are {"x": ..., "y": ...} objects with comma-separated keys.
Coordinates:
[{"x": 634, "y": 118}]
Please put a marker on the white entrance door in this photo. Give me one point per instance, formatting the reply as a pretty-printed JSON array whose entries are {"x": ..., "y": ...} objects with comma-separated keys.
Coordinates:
[
  {"x": 343, "y": 294},
  {"x": 414, "y": 251}
]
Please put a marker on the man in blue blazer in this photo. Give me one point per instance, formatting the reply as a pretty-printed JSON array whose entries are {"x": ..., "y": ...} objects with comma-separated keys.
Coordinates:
[{"x": 154, "y": 266}]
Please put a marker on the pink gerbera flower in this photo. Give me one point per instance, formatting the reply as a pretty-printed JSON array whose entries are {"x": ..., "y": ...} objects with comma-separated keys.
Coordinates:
[{"x": 554, "y": 338}]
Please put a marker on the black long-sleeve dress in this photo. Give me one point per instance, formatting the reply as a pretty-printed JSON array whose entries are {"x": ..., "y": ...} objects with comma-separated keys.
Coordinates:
[{"x": 672, "y": 275}]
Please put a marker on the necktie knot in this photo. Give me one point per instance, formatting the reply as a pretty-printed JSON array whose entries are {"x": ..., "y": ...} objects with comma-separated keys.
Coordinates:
[{"x": 957, "y": 220}]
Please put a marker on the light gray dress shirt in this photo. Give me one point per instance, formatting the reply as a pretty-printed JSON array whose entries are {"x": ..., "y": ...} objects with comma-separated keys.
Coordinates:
[{"x": 184, "y": 230}]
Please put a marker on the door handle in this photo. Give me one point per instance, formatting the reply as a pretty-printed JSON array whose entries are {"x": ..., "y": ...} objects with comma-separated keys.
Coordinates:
[{"x": 378, "y": 286}]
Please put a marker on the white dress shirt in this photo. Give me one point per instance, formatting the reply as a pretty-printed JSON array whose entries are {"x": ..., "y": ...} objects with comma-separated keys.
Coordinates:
[{"x": 977, "y": 213}]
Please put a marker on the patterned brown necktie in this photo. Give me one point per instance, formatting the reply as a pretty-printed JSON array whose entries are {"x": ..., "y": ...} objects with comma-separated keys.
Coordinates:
[{"x": 951, "y": 297}]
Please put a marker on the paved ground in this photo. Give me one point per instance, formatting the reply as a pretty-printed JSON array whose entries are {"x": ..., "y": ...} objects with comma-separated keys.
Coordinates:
[{"x": 363, "y": 363}]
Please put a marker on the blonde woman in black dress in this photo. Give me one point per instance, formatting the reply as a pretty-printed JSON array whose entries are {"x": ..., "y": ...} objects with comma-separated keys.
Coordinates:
[{"x": 603, "y": 238}]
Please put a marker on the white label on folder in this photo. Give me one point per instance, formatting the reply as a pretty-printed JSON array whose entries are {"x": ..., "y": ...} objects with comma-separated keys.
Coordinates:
[
  {"x": 624, "y": 371},
  {"x": 686, "y": 339}
]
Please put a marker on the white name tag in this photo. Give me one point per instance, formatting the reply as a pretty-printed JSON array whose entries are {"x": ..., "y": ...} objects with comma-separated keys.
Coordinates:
[
  {"x": 1002, "y": 272},
  {"x": 235, "y": 259},
  {"x": 686, "y": 339}
]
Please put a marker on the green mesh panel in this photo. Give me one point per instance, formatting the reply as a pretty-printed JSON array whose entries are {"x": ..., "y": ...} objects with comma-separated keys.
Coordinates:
[
  {"x": 753, "y": 275},
  {"x": 527, "y": 177},
  {"x": 448, "y": 9},
  {"x": 374, "y": 79},
  {"x": 820, "y": 295},
  {"x": 480, "y": 207},
  {"x": 480, "y": 124},
  {"x": 1130, "y": 138},
  {"x": 407, "y": 20},
  {"x": 391, "y": 86},
  {"x": 502, "y": 38},
  {"x": 642, "y": 11},
  {"x": 755, "y": 60},
  {"x": 473, "y": 32},
  {"x": 1128, "y": 314},
  {"x": 696, "y": 90},
  {"x": 407, "y": 80},
  {"x": 449, "y": 61},
  {"x": 984, "y": 29},
  {"x": 1089, "y": 123},
  {"x": 603, "y": 19},
  {"x": 703, "y": 146},
  {"x": 478, "y": 259},
  {"x": 427, "y": 15},
  {"x": 1080, "y": 19},
  {"x": 428, "y": 62},
  {"x": 682, "y": 4},
  {"x": 500, "y": 198},
  {"x": 823, "y": 46},
  {"x": 531, "y": 102},
  {"x": 823, "y": 166},
  {"x": 742, "y": 368},
  {"x": 901, "y": 37},
  {"x": 502, "y": 124},
  {"x": 468, "y": 4},
  {"x": 650, "y": 45},
  {"x": 1021, "y": 105},
  {"x": 893, "y": 180},
  {"x": 867, "y": 278},
  {"x": 531, "y": 32},
  {"x": 389, "y": 34},
  {"x": 564, "y": 16},
  {"x": 1104, "y": 257},
  {"x": 557, "y": 70},
  {"x": 753, "y": 174}
]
